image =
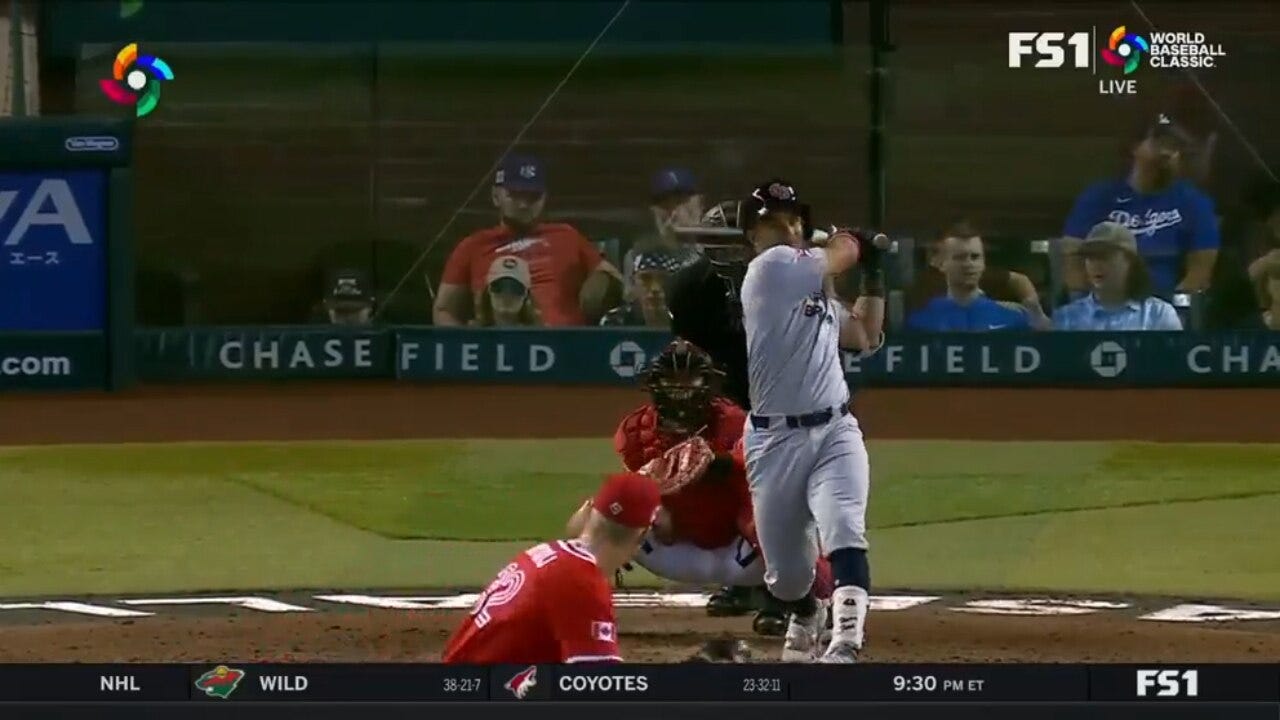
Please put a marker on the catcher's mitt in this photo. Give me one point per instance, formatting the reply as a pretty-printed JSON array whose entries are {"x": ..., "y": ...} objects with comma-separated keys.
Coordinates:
[{"x": 679, "y": 466}]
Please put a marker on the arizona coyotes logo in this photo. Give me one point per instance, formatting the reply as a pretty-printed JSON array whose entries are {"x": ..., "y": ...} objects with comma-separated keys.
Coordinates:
[{"x": 522, "y": 682}]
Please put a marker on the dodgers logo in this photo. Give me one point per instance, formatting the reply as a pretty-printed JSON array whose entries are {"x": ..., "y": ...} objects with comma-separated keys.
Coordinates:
[{"x": 1146, "y": 223}]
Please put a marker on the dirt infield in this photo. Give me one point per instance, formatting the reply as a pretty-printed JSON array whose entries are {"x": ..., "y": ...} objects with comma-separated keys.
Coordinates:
[
  {"x": 926, "y": 634},
  {"x": 382, "y": 410}
]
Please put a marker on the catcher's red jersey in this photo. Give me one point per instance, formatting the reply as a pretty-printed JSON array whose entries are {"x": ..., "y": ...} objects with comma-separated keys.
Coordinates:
[
  {"x": 549, "y": 605},
  {"x": 708, "y": 514}
]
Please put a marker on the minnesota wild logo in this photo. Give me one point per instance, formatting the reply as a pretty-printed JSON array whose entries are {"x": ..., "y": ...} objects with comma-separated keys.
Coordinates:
[{"x": 220, "y": 682}]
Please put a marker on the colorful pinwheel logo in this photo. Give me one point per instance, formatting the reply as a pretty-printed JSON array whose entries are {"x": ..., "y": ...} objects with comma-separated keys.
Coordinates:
[
  {"x": 136, "y": 80},
  {"x": 1125, "y": 49}
]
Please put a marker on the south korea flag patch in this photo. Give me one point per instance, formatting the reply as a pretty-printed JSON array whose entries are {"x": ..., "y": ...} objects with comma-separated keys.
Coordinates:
[{"x": 604, "y": 631}]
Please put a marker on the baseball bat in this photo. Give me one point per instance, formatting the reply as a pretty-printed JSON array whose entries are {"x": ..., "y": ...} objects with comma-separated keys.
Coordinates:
[{"x": 820, "y": 236}]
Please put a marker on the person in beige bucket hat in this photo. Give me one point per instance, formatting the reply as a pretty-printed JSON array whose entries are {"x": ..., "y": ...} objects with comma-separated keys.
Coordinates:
[{"x": 1119, "y": 287}]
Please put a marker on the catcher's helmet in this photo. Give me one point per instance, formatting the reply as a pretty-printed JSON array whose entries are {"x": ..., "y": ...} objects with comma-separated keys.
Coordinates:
[
  {"x": 681, "y": 381},
  {"x": 775, "y": 195}
]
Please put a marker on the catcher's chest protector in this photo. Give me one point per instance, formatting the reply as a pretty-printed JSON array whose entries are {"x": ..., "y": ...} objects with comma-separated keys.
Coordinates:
[{"x": 638, "y": 439}]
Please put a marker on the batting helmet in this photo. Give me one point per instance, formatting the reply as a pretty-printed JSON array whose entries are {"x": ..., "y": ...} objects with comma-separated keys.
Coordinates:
[
  {"x": 771, "y": 196},
  {"x": 681, "y": 381}
]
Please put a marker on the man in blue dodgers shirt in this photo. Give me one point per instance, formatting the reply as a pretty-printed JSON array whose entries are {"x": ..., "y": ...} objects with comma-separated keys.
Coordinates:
[
  {"x": 1120, "y": 287},
  {"x": 1174, "y": 221},
  {"x": 965, "y": 308}
]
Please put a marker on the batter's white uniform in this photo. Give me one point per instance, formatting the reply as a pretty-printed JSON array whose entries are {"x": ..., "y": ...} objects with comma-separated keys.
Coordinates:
[{"x": 801, "y": 471}]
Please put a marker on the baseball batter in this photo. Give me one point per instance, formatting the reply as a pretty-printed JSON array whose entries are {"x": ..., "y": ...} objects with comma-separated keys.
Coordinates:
[
  {"x": 806, "y": 462},
  {"x": 706, "y": 529}
]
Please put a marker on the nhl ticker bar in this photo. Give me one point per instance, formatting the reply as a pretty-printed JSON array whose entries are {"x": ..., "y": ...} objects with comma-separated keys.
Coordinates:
[{"x": 870, "y": 683}]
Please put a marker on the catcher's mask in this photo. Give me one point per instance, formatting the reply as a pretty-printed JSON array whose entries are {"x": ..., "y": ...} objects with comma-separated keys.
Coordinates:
[
  {"x": 681, "y": 382},
  {"x": 721, "y": 240}
]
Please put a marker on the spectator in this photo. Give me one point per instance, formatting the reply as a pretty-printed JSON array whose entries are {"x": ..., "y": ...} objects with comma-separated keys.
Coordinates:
[
  {"x": 1174, "y": 222},
  {"x": 964, "y": 307},
  {"x": 571, "y": 281},
  {"x": 1269, "y": 291},
  {"x": 507, "y": 300},
  {"x": 1249, "y": 234},
  {"x": 997, "y": 283},
  {"x": 674, "y": 201},
  {"x": 1120, "y": 297},
  {"x": 1262, "y": 244},
  {"x": 649, "y": 272},
  {"x": 347, "y": 299}
]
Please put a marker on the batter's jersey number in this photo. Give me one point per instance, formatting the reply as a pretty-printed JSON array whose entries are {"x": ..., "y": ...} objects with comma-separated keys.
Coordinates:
[{"x": 501, "y": 591}]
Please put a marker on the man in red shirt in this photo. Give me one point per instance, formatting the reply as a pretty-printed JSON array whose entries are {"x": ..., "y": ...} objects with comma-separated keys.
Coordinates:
[
  {"x": 553, "y": 603},
  {"x": 572, "y": 283}
]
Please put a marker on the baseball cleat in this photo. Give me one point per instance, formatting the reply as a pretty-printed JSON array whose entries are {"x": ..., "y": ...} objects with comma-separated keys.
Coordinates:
[
  {"x": 730, "y": 602},
  {"x": 800, "y": 645},
  {"x": 770, "y": 623},
  {"x": 841, "y": 652}
]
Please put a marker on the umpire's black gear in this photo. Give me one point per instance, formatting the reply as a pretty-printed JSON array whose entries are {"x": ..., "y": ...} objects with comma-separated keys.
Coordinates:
[{"x": 706, "y": 311}]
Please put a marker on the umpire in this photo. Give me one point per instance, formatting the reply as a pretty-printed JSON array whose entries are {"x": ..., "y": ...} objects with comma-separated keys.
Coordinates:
[{"x": 703, "y": 299}]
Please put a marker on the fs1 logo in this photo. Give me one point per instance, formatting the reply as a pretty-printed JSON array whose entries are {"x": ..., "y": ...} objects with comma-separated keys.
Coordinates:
[
  {"x": 52, "y": 203},
  {"x": 1169, "y": 683},
  {"x": 1050, "y": 49}
]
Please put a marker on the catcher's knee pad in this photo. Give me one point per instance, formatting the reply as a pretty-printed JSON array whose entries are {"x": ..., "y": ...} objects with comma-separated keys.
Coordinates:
[{"x": 734, "y": 564}]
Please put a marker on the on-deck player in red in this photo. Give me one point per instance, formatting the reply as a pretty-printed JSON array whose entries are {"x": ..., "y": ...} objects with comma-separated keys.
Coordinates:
[{"x": 553, "y": 602}]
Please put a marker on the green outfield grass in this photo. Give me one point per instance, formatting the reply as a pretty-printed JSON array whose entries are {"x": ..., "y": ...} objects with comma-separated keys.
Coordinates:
[{"x": 1197, "y": 520}]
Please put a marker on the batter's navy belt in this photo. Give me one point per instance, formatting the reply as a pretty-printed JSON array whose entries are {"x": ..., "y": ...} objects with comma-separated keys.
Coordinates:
[{"x": 813, "y": 419}]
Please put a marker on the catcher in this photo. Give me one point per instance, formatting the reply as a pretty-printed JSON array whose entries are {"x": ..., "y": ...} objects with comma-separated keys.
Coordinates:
[{"x": 688, "y": 439}]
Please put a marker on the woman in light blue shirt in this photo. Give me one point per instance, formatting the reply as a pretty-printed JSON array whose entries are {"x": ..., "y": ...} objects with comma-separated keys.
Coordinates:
[{"x": 1120, "y": 297}]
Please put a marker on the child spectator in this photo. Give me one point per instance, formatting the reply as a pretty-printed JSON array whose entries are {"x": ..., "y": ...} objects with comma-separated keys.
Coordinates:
[{"x": 347, "y": 299}]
